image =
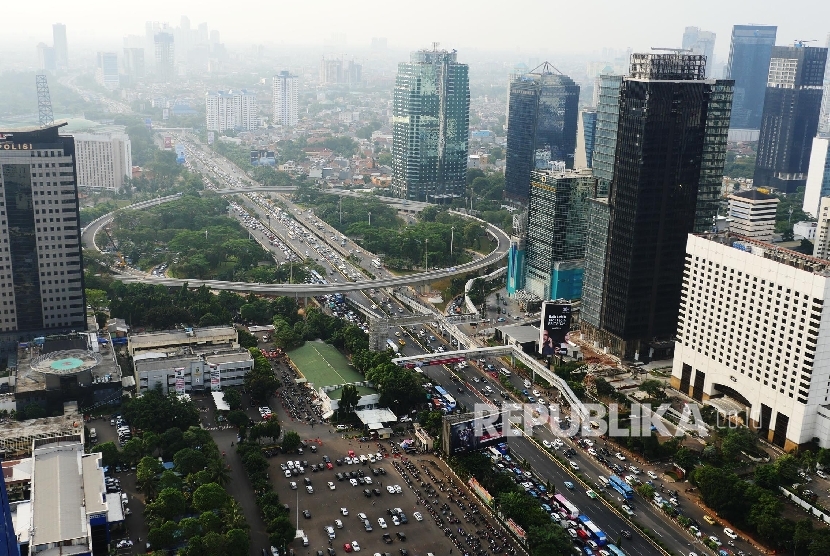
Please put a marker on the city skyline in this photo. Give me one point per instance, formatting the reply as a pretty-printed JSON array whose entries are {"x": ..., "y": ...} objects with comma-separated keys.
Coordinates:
[{"x": 621, "y": 26}]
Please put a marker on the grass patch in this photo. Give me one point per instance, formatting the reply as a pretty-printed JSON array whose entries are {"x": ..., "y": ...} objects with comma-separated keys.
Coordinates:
[{"x": 322, "y": 365}]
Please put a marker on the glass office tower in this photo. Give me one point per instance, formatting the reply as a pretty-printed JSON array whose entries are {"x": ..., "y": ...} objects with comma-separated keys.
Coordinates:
[
  {"x": 749, "y": 55},
  {"x": 542, "y": 125},
  {"x": 430, "y": 127}
]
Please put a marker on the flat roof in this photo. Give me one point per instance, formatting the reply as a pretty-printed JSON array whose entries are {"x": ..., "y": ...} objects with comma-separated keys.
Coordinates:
[
  {"x": 94, "y": 491},
  {"x": 57, "y": 494},
  {"x": 520, "y": 333},
  {"x": 219, "y": 400},
  {"x": 150, "y": 340},
  {"x": 382, "y": 415},
  {"x": 229, "y": 357},
  {"x": 361, "y": 391}
]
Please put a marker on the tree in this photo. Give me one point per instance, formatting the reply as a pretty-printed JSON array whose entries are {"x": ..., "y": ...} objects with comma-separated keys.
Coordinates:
[
  {"x": 190, "y": 527},
  {"x": 210, "y": 522},
  {"x": 281, "y": 531},
  {"x": 219, "y": 473},
  {"x": 349, "y": 398},
  {"x": 654, "y": 388},
  {"x": 238, "y": 542},
  {"x": 109, "y": 453},
  {"x": 169, "y": 505},
  {"x": 246, "y": 339},
  {"x": 209, "y": 497},
  {"x": 548, "y": 540},
  {"x": 189, "y": 461},
  {"x": 738, "y": 440},
  {"x": 169, "y": 479},
  {"x": 162, "y": 536},
  {"x": 133, "y": 450},
  {"x": 147, "y": 473},
  {"x": 96, "y": 298},
  {"x": 290, "y": 441},
  {"x": 233, "y": 398},
  {"x": 158, "y": 413},
  {"x": 238, "y": 418}
]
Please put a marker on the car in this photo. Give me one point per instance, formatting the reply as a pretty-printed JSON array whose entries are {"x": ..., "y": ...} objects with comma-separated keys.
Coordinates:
[
  {"x": 390, "y": 489},
  {"x": 715, "y": 540},
  {"x": 591, "y": 493},
  {"x": 347, "y": 547},
  {"x": 625, "y": 533},
  {"x": 331, "y": 552},
  {"x": 730, "y": 533},
  {"x": 397, "y": 488},
  {"x": 627, "y": 509},
  {"x": 293, "y": 485},
  {"x": 306, "y": 514},
  {"x": 367, "y": 493},
  {"x": 404, "y": 552},
  {"x": 362, "y": 517},
  {"x": 395, "y": 520},
  {"x": 353, "y": 482},
  {"x": 403, "y": 518},
  {"x": 329, "y": 531},
  {"x": 376, "y": 491},
  {"x": 651, "y": 474},
  {"x": 386, "y": 538},
  {"x": 619, "y": 456},
  {"x": 338, "y": 523},
  {"x": 547, "y": 444},
  {"x": 382, "y": 523},
  {"x": 367, "y": 526},
  {"x": 574, "y": 466},
  {"x": 569, "y": 485},
  {"x": 355, "y": 546},
  {"x": 401, "y": 536},
  {"x": 309, "y": 489},
  {"x": 331, "y": 486},
  {"x": 418, "y": 516},
  {"x": 592, "y": 452}
]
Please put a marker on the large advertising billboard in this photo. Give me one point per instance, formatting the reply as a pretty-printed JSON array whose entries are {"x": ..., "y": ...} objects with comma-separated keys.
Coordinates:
[
  {"x": 476, "y": 433},
  {"x": 555, "y": 325}
]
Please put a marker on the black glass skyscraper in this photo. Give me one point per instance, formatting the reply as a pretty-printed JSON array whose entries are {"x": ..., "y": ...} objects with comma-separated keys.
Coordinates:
[
  {"x": 671, "y": 137},
  {"x": 41, "y": 281},
  {"x": 541, "y": 126},
  {"x": 791, "y": 114},
  {"x": 749, "y": 55}
]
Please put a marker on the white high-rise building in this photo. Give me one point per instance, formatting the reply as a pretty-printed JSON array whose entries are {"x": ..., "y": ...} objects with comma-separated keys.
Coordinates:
[
  {"x": 818, "y": 175},
  {"x": 104, "y": 159},
  {"x": 752, "y": 327},
  {"x": 752, "y": 214},
  {"x": 821, "y": 247},
  {"x": 286, "y": 98},
  {"x": 231, "y": 110}
]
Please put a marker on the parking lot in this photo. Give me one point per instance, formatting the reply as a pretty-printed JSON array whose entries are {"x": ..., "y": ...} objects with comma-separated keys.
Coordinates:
[{"x": 419, "y": 477}]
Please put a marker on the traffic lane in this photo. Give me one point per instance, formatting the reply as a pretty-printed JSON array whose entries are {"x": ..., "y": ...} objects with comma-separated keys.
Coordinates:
[
  {"x": 647, "y": 515},
  {"x": 604, "y": 518}
]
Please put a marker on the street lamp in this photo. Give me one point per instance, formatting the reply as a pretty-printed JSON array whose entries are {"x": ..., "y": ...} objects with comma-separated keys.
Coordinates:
[
  {"x": 452, "y": 239},
  {"x": 370, "y": 218}
]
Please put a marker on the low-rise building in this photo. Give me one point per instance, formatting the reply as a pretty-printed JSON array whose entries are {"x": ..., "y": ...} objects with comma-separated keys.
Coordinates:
[
  {"x": 223, "y": 337},
  {"x": 805, "y": 230},
  {"x": 752, "y": 214},
  {"x": 210, "y": 370}
]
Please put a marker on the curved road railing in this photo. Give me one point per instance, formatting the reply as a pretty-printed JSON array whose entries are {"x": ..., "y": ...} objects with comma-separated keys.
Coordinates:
[{"x": 130, "y": 276}]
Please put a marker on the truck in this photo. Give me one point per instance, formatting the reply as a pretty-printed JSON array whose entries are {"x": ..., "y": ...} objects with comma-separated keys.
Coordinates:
[{"x": 392, "y": 345}]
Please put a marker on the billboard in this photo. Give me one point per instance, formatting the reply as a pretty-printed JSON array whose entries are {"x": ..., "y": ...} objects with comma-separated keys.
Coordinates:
[
  {"x": 555, "y": 325},
  {"x": 474, "y": 433},
  {"x": 210, "y": 137},
  {"x": 168, "y": 143},
  {"x": 165, "y": 114}
]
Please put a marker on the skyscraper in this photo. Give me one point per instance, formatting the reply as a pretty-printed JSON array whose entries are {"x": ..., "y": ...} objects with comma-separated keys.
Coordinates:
[
  {"x": 165, "y": 56},
  {"x": 231, "y": 110},
  {"x": 430, "y": 127},
  {"x": 46, "y": 57},
  {"x": 700, "y": 42},
  {"x": 818, "y": 176},
  {"x": 60, "y": 46},
  {"x": 791, "y": 110},
  {"x": 42, "y": 280},
  {"x": 134, "y": 66},
  {"x": 556, "y": 228},
  {"x": 285, "y": 98},
  {"x": 585, "y": 138},
  {"x": 665, "y": 134},
  {"x": 824, "y": 118},
  {"x": 106, "y": 70},
  {"x": 542, "y": 124},
  {"x": 748, "y": 67}
]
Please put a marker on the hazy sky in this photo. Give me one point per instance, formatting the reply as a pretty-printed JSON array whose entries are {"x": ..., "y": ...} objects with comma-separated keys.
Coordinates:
[{"x": 569, "y": 26}]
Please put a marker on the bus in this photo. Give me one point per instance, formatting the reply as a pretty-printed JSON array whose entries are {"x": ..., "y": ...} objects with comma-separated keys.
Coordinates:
[
  {"x": 621, "y": 486},
  {"x": 494, "y": 454},
  {"x": 392, "y": 345},
  {"x": 563, "y": 502},
  {"x": 376, "y": 263},
  {"x": 596, "y": 533},
  {"x": 449, "y": 401},
  {"x": 614, "y": 551}
]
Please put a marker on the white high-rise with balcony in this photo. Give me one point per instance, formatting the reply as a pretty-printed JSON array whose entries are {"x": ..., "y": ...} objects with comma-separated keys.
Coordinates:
[
  {"x": 104, "y": 159},
  {"x": 231, "y": 110},
  {"x": 286, "y": 98}
]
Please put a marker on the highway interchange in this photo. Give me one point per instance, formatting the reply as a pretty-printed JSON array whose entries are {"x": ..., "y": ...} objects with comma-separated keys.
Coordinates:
[{"x": 466, "y": 385}]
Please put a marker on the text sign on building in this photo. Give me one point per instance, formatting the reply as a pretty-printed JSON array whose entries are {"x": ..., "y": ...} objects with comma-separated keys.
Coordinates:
[{"x": 555, "y": 325}]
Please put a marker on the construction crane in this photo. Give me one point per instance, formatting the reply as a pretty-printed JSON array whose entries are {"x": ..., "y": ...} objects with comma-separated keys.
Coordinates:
[{"x": 44, "y": 102}]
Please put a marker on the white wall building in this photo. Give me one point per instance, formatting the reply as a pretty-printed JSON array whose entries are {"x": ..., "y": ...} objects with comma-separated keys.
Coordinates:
[
  {"x": 286, "y": 98},
  {"x": 104, "y": 159},
  {"x": 231, "y": 110},
  {"x": 752, "y": 328},
  {"x": 752, "y": 214},
  {"x": 821, "y": 246},
  {"x": 804, "y": 230},
  {"x": 818, "y": 176},
  {"x": 211, "y": 371}
]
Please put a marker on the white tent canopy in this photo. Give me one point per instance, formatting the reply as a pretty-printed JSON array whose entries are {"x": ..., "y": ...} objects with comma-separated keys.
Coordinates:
[
  {"x": 378, "y": 416},
  {"x": 219, "y": 400}
]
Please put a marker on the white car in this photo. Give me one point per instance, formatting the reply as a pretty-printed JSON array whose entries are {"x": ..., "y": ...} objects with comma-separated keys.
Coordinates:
[
  {"x": 382, "y": 523},
  {"x": 418, "y": 516},
  {"x": 536, "y": 393},
  {"x": 355, "y": 546},
  {"x": 627, "y": 510},
  {"x": 390, "y": 489},
  {"x": 398, "y": 489},
  {"x": 730, "y": 533},
  {"x": 287, "y": 473},
  {"x": 362, "y": 517},
  {"x": 367, "y": 480},
  {"x": 592, "y": 452},
  {"x": 619, "y": 456},
  {"x": 547, "y": 444},
  {"x": 344, "y": 511},
  {"x": 574, "y": 466},
  {"x": 353, "y": 482},
  {"x": 293, "y": 485},
  {"x": 331, "y": 486},
  {"x": 395, "y": 520},
  {"x": 338, "y": 523},
  {"x": 651, "y": 474},
  {"x": 309, "y": 489}
]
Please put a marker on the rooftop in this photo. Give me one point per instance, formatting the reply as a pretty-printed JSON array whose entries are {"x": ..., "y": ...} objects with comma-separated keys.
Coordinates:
[
  {"x": 151, "y": 340},
  {"x": 520, "y": 333},
  {"x": 57, "y": 494},
  {"x": 361, "y": 391},
  {"x": 772, "y": 252},
  {"x": 753, "y": 195}
]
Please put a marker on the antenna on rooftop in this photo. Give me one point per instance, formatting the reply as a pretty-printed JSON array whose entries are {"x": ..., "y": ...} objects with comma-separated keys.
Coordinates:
[
  {"x": 435, "y": 46},
  {"x": 545, "y": 68},
  {"x": 44, "y": 102}
]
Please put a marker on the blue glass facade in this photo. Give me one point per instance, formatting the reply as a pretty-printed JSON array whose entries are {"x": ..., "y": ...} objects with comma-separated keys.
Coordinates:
[
  {"x": 566, "y": 280},
  {"x": 516, "y": 266},
  {"x": 749, "y": 55}
]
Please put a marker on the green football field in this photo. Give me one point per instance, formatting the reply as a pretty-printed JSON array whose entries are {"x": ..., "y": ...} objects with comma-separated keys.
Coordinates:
[{"x": 322, "y": 365}]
